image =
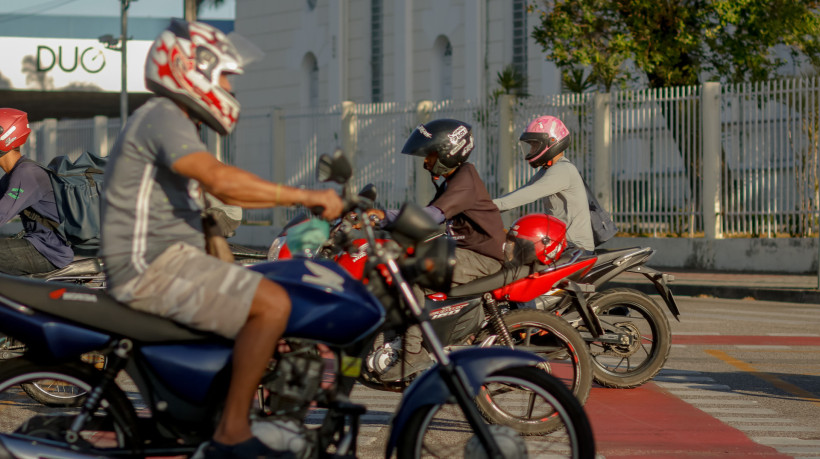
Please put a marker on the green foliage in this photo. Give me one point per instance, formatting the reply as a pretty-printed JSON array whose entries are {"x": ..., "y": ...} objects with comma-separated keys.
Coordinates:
[
  {"x": 674, "y": 42},
  {"x": 511, "y": 80}
]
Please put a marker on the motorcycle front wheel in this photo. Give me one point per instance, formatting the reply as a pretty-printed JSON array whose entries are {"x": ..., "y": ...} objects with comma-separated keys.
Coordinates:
[
  {"x": 647, "y": 338},
  {"x": 110, "y": 430},
  {"x": 441, "y": 431},
  {"x": 555, "y": 340}
]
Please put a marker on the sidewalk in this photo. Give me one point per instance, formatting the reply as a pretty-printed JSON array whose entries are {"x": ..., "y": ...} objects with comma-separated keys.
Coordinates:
[{"x": 791, "y": 288}]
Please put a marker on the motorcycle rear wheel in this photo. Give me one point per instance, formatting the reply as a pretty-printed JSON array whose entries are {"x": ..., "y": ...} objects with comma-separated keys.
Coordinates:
[
  {"x": 111, "y": 429},
  {"x": 629, "y": 311},
  {"x": 442, "y": 431},
  {"x": 557, "y": 341}
]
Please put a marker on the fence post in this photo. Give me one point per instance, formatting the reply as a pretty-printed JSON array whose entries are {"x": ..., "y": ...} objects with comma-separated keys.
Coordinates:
[
  {"x": 602, "y": 150},
  {"x": 349, "y": 134},
  {"x": 424, "y": 189},
  {"x": 710, "y": 200},
  {"x": 49, "y": 140},
  {"x": 279, "y": 163},
  {"x": 506, "y": 150},
  {"x": 100, "y": 136}
]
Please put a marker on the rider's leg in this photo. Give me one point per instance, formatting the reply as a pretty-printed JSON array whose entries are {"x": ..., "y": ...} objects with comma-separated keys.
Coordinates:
[{"x": 253, "y": 349}]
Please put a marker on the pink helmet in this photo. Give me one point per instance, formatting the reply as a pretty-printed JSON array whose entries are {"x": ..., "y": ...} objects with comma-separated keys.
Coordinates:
[
  {"x": 543, "y": 139},
  {"x": 14, "y": 129}
]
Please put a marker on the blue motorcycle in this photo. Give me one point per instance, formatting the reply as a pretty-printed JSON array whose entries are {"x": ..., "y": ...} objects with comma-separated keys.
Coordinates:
[{"x": 163, "y": 385}]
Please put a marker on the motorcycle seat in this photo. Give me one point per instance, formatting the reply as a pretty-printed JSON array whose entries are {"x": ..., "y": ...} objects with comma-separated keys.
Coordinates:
[
  {"x": 81, "y": 267},
  {"x": 608, "y": 255},
  {"x": 507, "y": 274},
  {"x": 97, "y": 310}
]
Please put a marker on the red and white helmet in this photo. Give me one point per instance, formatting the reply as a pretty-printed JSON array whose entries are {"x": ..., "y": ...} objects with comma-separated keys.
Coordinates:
[
  {"x": 547, "y": 233},
  {"x": 14, "y": 129},
  {"x": 542, "y": 140},
  {"x": 185, "y": 63}
]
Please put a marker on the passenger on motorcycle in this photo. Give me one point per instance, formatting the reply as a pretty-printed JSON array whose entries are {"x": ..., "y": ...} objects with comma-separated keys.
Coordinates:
[
  {"x": 152, "y": 239},
  {"x": 558, "y": 181},
  {"x": 463, "y": 203},
  {"x": 26, "y": 186}
]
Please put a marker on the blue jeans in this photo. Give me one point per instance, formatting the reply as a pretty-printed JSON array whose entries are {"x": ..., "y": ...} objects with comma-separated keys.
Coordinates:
[{"x": 19, "y": 257}]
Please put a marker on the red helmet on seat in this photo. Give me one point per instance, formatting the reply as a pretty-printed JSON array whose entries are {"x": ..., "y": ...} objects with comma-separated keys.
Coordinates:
[
  {"x": 547, "y": 233},
  {"x": 14, "y": 129}
]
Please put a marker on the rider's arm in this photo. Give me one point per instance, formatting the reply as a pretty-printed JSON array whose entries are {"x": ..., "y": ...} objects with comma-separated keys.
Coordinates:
[
  {"x": 22, "y": 191},
  {"x": 540, "y": 186},
  {"x": 237, "y": 187}
]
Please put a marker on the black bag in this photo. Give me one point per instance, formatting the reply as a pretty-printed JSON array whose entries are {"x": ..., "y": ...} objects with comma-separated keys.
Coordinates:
[
  {"x": 78, "y": 187},
  {"x": 603, "y": 228}
]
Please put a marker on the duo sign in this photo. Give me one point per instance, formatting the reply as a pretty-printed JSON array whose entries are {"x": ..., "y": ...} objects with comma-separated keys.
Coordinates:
[{"x": 56, "y": 63}]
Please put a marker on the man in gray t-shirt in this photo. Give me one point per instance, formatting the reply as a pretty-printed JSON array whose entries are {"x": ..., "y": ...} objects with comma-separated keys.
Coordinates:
[
  {"x": 152, "y": 237},
  {"x": 557, "y": 182}
]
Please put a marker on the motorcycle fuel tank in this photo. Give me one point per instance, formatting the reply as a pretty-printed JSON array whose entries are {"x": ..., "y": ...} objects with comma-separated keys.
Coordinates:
[{"x": 327, "y": 305}]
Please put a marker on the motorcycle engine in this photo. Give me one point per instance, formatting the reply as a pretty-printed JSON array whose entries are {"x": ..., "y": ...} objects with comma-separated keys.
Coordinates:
[
  {"x": 384, "y": 356},
  {"x": 295, "y": 381}
]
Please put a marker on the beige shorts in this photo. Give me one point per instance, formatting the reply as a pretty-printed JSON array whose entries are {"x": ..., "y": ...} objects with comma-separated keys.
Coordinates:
[{"x": 191, "y": 287}]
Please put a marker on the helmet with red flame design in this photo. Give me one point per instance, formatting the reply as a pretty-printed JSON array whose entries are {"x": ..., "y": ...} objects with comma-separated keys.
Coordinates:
[{"x": 185, "y": 64}]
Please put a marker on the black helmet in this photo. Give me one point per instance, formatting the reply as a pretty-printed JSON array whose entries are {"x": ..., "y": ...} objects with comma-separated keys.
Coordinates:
[{"x": 451, "y": 139}]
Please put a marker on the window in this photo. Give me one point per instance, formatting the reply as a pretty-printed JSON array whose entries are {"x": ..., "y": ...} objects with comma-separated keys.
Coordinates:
[
  {"x": 376, "y": 51},
  {"x": 519, "y": 39},
  {"x": 442, "y": 69},
  {"x": 310, "y": 92}
]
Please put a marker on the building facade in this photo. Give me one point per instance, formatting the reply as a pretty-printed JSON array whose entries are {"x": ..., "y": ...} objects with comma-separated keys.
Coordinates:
[{"x": 322, "y": 52}]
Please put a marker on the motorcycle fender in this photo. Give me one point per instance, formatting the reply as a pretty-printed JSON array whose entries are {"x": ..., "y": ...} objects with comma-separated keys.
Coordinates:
[
  {"x": 474, "y": 364},
  {"x": 660, "y": 279}
]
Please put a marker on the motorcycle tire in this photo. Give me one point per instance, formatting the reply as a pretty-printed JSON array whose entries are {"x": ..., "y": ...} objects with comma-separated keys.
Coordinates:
[
  {"x": 55, "y": 394},
  {"x": 442, "y": 430},
  {"x": 569, "y": 359},
  {"x": 112, "y": 430},
  {"x": 630, "y": 365}
]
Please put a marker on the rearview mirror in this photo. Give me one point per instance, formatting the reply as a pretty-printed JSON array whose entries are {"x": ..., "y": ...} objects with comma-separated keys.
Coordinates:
[
  {"x": 368, "y": 192},
  {"x": 335, "y": 168}
]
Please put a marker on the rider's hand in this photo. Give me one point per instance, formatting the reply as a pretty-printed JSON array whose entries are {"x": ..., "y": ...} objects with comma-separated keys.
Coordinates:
[{"x": 327, "y": 199}]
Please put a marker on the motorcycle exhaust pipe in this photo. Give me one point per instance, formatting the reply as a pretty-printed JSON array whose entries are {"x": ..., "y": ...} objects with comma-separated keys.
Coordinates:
[{"x": 16, "y": 448}]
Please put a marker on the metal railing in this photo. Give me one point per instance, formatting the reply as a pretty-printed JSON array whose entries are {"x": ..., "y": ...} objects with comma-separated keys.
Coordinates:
[{"x": 768, "y": 173}]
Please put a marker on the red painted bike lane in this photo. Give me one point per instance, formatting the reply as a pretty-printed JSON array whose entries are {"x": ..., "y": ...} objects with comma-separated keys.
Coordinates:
[{"x": 649, "y": 422}]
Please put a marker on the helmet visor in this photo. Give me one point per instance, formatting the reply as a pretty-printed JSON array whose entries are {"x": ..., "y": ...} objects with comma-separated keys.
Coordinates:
[
  {"x": 247, "y": 52},
  {"x": 528, "y": 148}
]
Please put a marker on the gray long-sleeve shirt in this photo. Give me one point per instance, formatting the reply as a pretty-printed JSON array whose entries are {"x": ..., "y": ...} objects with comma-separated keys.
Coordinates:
[{"x": 565, "y": 197}]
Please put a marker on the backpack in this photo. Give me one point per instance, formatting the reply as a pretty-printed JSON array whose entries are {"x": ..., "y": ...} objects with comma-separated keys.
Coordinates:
[
  {"x": 78, "y": 187},
  {"x": 603, "y": 228}
]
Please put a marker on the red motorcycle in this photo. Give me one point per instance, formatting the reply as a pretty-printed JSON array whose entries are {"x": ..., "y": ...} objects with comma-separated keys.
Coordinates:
[{"x": 490, "y": 311}]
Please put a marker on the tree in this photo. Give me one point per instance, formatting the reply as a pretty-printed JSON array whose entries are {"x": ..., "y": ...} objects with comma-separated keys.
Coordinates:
[{"x": 675, "y": 42}]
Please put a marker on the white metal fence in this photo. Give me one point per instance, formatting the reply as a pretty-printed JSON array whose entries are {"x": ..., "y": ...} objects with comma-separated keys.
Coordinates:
[{"x": 643, "y": 152}]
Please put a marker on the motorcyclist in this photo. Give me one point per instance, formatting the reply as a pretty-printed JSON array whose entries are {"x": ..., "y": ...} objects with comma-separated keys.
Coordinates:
[
  {"x": 557, "y": 181},
  {"x": 464, "y": 205},
  {"x": 152, "y": 237},
  {"x": 26, "y": 187}
]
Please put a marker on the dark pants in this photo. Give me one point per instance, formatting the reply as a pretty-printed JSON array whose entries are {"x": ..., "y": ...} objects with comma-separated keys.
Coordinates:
[{"x": 18, "y": 257}]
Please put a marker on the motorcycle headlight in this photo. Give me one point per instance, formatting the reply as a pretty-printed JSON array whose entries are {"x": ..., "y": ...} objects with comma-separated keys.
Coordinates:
[{"x": 431, "y": 264}]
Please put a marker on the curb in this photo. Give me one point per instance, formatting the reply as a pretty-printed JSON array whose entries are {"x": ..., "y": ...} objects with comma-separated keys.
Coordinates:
[{"x": 728, "y": 292}]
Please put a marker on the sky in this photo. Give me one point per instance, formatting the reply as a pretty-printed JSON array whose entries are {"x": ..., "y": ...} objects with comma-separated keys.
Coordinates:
[{"x": 138, "y": 8}]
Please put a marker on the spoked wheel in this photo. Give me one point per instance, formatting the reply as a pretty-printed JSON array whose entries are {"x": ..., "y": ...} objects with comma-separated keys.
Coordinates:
[
  {"x": 645, "y": 338},
  {"x": 110, "y": 430},
  {"x": 556, "y": 341},
  {"x": 56, "y": 393},
  {"x": 517, "y": 394}
]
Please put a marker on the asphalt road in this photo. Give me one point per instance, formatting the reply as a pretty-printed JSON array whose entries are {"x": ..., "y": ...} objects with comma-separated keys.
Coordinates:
[{"x": 743, "y": 380}]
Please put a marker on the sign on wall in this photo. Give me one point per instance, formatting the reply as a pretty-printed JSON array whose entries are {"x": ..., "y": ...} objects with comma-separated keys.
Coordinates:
[{"x": 61, "y": 64}]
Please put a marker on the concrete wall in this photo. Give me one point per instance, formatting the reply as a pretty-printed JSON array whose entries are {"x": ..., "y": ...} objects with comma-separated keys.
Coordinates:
[{"x": 786, "y": 255}]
